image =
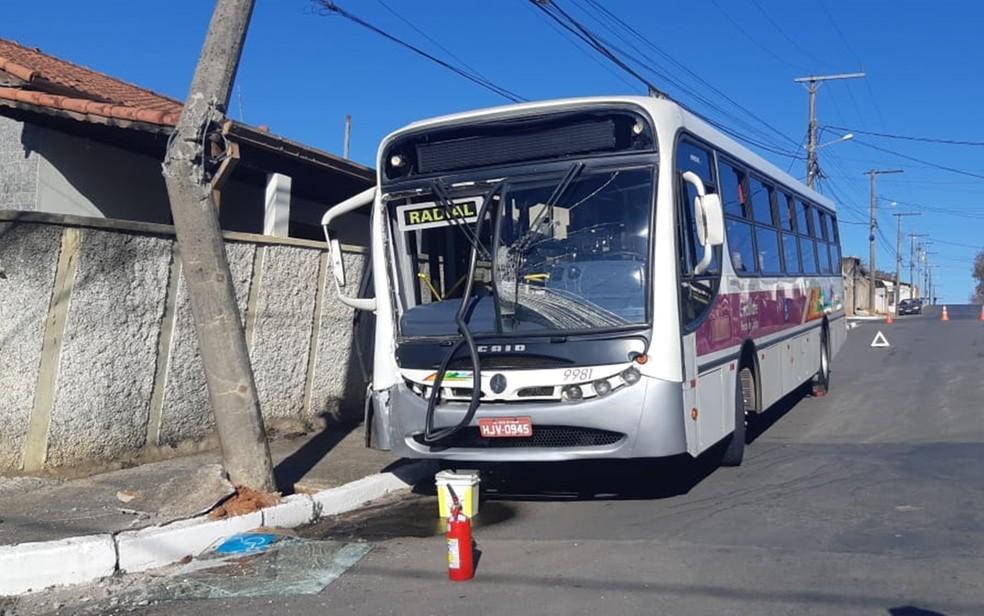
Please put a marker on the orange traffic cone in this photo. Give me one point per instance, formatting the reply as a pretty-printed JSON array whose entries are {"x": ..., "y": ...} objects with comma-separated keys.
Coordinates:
[
  {"x": 981, "y": 318},
  {"x": 946, "y": 315},
  {"x": 889, "y": 319}
]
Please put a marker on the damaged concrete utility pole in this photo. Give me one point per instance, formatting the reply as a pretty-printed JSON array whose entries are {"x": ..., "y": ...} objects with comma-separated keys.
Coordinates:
[
  {"x": 228, "y": 373},
  {"x": 812, "y": 83}
]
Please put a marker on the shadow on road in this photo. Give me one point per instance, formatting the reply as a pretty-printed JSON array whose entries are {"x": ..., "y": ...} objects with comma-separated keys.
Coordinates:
[
  {"x": 763, "y": 421},
  {"x": 596, "y": 480},
  {"x": 295, "y": 466},
  {"x": 616, "y": 479}
]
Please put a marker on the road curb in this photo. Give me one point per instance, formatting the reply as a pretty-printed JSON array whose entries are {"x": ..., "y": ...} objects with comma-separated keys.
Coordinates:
[{"x": 32, "y": 567}]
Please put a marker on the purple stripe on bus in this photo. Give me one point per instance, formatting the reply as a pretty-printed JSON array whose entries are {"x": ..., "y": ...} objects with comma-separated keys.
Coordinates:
[{"x": 736, "y": 317}]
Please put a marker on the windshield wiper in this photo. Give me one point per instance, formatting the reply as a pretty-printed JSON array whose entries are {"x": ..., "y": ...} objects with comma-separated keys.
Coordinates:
[
  {"x": 573, "y": 172},
  {"x": 458, "y": 219}
]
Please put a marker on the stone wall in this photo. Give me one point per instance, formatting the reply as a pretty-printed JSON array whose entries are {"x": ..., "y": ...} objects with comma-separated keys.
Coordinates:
[{"x": 98, "y": 355}]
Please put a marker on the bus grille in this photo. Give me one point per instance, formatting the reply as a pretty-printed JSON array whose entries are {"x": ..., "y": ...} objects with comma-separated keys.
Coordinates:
[
  {"x": 510, "y": 362},
  {"x": 536, "y": 392},
  {"x": 543, "y": 437}
]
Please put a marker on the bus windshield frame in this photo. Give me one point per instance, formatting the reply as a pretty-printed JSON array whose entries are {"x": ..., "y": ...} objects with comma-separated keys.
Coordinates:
[{"x": 535, "y": 276}]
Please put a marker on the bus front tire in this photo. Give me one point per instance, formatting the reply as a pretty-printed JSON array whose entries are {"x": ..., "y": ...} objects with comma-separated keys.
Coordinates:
[{"x": 734, "y": 449}]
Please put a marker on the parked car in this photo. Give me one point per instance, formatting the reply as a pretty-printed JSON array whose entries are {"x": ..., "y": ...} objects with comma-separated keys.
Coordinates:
[{"x": 910, "y": 306}]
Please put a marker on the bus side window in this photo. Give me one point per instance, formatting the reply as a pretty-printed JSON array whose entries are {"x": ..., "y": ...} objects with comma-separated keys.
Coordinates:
[
  {"x": 696, "y": 291},
  {"x": 734, "y": 196}
]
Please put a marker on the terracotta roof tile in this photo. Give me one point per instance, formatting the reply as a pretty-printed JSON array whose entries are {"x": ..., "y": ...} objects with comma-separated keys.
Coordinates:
[{"x": 53, "y": 82}]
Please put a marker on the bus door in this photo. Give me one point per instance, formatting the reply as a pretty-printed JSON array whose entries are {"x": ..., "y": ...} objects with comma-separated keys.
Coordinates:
[{"x": 697, "y": 292}]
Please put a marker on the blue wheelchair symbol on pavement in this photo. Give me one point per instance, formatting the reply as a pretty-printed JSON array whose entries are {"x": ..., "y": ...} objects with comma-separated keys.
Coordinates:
[{"x": 246, "y": 543}]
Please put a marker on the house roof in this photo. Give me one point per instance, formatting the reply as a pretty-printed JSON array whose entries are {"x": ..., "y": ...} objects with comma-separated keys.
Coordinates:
[
  {"x": 30, "y": 76},
  {"x": 40, "y": 83}
]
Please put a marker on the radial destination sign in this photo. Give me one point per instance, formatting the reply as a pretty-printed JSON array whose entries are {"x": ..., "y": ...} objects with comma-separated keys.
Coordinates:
[{"x": 426, "y": 215}]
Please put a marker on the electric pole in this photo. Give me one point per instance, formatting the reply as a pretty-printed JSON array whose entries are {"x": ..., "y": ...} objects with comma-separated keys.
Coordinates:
[
  {"x": 873, "y": 229},
  {"x": 812, "y": 83},
  {"x": 898, "y": 257},
  {"x": 221, "y": 341},
  {"x": 929, "y": 277},
  {"x": 912, "y": 256}
]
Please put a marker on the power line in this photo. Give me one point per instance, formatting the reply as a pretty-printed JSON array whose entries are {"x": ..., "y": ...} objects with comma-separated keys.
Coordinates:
[
  {"x": 424, "y": 34},
  {"x": 850, "y": 48},
  {"x": 615, "y": 20},
  {"x": 329, "y": 7},
  {"x": 939, "y": 210},
  {"x": 907, "y": 137},
  {"x": 596, "y": 42},
  {"x": 588, "y": 37},
  {"x": 806, "y": 53},
  {"x": 754, "y": 40},
  {"x": 920, "y": 160},
  {"x": 612, "y": 23},
  {"x": 575, "y": 42}
]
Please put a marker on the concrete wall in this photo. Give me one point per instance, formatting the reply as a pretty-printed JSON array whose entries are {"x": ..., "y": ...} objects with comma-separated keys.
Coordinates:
[{"x": 98, "y": 355}]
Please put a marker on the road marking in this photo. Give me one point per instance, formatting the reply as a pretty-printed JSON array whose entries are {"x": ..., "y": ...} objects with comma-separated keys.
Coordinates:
[{"x": 879, "y": 341}]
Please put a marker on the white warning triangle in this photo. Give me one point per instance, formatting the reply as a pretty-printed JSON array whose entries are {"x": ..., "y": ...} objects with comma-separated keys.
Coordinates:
[{"x": 879, "y": 341}]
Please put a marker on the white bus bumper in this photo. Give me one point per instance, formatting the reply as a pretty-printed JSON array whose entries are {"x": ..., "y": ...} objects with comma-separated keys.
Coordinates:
[{"x": 645, "y": 420}]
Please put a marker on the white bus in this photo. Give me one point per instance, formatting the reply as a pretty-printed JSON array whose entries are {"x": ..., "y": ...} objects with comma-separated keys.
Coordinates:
[{"x": 588, "y": 278}]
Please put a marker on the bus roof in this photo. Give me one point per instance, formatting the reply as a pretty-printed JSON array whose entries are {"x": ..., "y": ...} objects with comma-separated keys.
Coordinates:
[{"x": 664, "y": 112}]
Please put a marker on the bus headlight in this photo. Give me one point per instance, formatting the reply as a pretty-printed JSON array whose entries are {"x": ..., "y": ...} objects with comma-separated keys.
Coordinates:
[
  {"x": 572, "y": 392},
  {"x": 630, "y": 375},
  {"x": 602, "y": 387}
]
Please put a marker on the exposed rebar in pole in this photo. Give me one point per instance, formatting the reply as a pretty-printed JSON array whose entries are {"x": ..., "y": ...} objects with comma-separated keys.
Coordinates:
[
  {"x": 873, "y": 229},
  {"x": 221, "y": 340},
  {"x": 812, "y": 83},
  {"x": 898, "y": 257}
]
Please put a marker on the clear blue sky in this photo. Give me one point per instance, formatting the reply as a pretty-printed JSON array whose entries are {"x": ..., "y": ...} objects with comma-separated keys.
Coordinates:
[{"x": 301, "y": 73}]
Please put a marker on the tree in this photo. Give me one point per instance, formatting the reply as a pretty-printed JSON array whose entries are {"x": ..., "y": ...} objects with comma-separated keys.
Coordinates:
[
  {"x": 978, "y": 273},
  {"x": 221, "y": 340}
]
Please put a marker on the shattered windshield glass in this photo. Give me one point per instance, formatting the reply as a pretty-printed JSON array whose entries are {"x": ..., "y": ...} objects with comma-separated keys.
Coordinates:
[{"x": 579, "y": 263}]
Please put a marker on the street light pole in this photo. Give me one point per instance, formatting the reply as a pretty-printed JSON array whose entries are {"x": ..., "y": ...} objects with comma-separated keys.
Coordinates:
[
  {"x": 812, "y": 83},
  {"x": 873, "y": 228}
]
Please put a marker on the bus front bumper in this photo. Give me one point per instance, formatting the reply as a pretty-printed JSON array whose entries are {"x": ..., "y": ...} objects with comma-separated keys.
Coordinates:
[{"x": 645, "y": 420}]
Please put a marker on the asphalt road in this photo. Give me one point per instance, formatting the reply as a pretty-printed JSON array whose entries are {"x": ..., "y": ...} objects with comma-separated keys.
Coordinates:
[{"x": 869, "y": 500}]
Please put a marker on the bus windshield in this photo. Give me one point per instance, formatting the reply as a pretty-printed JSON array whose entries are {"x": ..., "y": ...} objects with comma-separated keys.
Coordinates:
[{"x": 574, "y": 263}]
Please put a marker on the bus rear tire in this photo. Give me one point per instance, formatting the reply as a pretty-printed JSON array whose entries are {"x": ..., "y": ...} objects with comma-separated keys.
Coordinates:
[
  {"x": 821, "y": 381},
  {"x": 734, "y": 450}
]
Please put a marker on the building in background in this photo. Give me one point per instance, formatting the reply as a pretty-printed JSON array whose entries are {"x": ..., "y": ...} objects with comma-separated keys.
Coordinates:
[
  {"x": 79, "y": 142},
  {"x": 857, "y": 285}
]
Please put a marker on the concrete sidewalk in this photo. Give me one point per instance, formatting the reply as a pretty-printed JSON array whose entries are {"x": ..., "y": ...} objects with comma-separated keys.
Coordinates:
[
  {"x": 44, "y": 509},
  {"x": 62, "y": 532}
]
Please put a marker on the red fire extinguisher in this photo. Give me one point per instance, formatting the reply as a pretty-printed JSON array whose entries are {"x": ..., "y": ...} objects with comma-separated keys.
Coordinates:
[{"x": 461, "y": 566}]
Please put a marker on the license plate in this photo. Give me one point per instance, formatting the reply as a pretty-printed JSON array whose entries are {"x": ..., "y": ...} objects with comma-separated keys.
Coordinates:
[{"x": 506, "y": 427}]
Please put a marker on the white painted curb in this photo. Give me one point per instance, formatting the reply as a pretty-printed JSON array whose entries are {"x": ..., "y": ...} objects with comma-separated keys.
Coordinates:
[
  {"x": 357, "y": 493},
  {"x": 27, "y": 567},
  {"x": 157, "y": 546},
  {"x": 294, "y": 510}
]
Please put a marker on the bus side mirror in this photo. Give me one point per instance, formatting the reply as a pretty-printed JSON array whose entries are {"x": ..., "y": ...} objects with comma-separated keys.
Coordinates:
[
  {"x": 714, "y": 220},
  {"x": 709, "y": 219},
  {"x": 360, "y": 200}
]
